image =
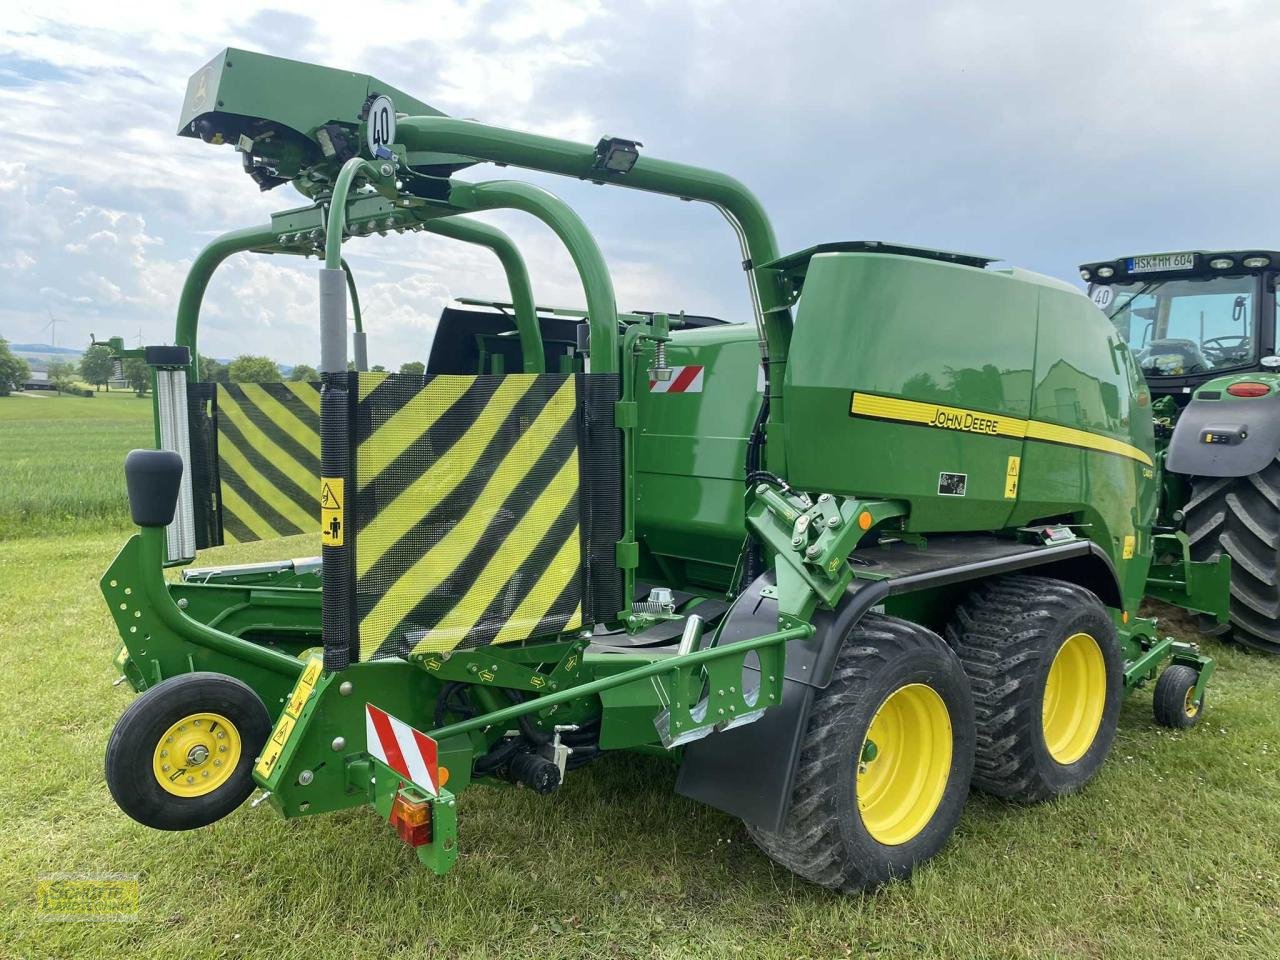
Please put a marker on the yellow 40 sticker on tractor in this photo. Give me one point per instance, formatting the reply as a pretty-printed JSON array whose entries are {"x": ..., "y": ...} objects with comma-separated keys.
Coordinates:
[{"x": 302, "y": 691}]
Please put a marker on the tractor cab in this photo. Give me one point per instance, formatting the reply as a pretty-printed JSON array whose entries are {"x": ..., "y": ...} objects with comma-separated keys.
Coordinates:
[{"x": 1190, "y": 317}]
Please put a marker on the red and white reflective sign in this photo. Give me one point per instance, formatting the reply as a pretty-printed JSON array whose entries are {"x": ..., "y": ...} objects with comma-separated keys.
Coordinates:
[
  {"x": 402, "y": 748},
  {"x": 683, "y": 380}
]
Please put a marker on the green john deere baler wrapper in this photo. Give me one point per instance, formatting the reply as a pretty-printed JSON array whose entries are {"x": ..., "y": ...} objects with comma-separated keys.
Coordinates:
[{"x": 866, "y": 555}]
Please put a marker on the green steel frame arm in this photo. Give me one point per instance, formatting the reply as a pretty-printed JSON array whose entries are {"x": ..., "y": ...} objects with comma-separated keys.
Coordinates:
[
  {"x": 592, "y": 687},
  {"x": 481, "y": 234},
  {"x": 602, "y": 307},
  {"x": 548, "y": 154},
  {"x": 337, "y": 221},
  {"x": 206, "y": 262}
]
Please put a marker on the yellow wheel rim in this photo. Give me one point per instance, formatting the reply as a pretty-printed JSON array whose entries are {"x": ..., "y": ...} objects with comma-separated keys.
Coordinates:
[
  {"x": 196, "y": 755},
  {"x": 905, "y": 764},
  {"x": 1189, "y": 704},
  {"x": 1075, "y": 695}
]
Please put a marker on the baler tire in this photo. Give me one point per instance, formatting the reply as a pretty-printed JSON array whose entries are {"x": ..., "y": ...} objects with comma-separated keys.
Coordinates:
[
  {"x": 1241, "y": 515},
  {"x": 1171, "y": 701},
  {"x": 1009, "y": 633},
  {"x": 133, "y": 750},
  {"x": 825, "y": 838}
]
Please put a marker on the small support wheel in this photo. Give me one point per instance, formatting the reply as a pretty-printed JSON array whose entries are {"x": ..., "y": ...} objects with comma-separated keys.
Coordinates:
[
  {"x": 182, "y": 755},
  {"x": 1174, "y": 702}
]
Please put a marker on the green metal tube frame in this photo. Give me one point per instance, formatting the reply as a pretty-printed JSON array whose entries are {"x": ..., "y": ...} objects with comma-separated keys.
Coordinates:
[
  {"x": 597, "y": 284},
  {"x": 526, "y": 313},
  {"x": 202, "y": 268},
  {"x": 739, "y": 206},
  {"x": 590, "y": 688},
  {"x": 264, "y": 239}
]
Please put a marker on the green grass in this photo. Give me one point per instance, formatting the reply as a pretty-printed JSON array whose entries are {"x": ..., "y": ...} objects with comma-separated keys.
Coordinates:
[
  {"x": 1172, "y": 851},
  {"x": 62, "y": 460}
]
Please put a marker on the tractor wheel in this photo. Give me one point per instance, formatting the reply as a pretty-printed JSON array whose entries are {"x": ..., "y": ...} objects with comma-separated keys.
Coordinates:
[
  {"x": 1241, "y": 515},
  {"x": 1047, "y": 678},
  {"x": 885, "y": 762},
  {"x": 182, "y": 755},
  {"x": 1174, "y": 700}
]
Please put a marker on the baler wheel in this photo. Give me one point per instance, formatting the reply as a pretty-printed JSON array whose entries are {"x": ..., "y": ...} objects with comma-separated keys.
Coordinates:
[
  {"x": 1241, "y": 515},
  {"x": 1047, "y": 679},
  {"x": 182, "y": 755},
  {"x": 1174, "y": 699},
  {"x": 885, "y": 763}
]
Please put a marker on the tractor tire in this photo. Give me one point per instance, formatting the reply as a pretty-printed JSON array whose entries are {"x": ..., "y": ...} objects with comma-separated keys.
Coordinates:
[
  {"x": 1241, "y": 515},
  {"x": 1173, "y": 700},
  {"x": 1047, "y": 679},
  {"x": 182, "y": 755},
  {"x": 884, "y": 767}
]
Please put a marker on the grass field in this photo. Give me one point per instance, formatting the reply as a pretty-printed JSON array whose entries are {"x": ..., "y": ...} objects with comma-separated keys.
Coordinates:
[
  {"x": 1172, "y": 851},
  {"x": 60, "y": 460}
]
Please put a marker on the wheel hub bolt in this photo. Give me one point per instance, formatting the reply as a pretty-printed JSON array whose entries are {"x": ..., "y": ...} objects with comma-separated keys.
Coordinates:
[{"x": 197, "y": 755}]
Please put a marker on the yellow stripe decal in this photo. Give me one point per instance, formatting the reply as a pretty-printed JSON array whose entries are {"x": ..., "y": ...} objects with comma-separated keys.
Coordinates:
[
  {"x": 936, "y": 415},
  {"x": 308, "y": 394},
  {"x": 259, "y": 484},
  {"x": 526, "y": 536},
  {"x": 434, "y": 566},
  {"x": 232, "y": 502},
  {"x": 284, "y": 418},
  {"x": 392, "y": 438},
  {"x": 990, "y": 424},
  {"x": 533, "y": 608},
  {"x": 265, "y": 445},
  {"x": 432, "y": 487}
]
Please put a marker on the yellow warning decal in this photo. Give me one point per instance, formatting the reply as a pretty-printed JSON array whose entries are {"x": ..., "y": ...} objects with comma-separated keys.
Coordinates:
[
  {"x": 331, "y": 498},
  {"x": 981, "y": 422},
  {"x": 1130, "y": 543},
  {"x": 302, "y": 692},
  {"x": 289, "y": 717},
  {"x": 1011, "y": 478},
  {"x": 275, "y": 745}
]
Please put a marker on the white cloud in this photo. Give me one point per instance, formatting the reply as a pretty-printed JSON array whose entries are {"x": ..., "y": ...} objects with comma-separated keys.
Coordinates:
[{"x": 1049, "y": 135}]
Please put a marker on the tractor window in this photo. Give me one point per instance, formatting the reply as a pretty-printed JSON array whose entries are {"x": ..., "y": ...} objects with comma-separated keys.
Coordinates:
[{"x": 1184, "y": 327}]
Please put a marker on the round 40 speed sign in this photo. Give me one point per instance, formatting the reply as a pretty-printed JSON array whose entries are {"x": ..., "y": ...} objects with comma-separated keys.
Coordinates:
[{"x": 380, "y": 129}]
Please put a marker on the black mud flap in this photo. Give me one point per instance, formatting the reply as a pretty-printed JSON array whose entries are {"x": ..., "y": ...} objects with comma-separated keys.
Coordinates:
[{"x": 749, "y": 771}]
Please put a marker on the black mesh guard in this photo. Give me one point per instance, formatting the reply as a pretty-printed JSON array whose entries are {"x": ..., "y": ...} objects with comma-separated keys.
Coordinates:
[
  {"x": 335, "y": 464},
  {"x": 475, "y": 510},
  {"x": 601, "y": 443}
]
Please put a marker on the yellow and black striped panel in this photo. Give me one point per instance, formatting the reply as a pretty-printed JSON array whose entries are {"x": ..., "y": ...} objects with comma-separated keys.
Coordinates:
[
  {"x": 268, "y": 459},
  {"x": 468, "y": 511}
]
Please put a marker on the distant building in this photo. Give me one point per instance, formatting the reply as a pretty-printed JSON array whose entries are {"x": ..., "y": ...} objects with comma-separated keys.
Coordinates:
[{"x": 37, "y": 380}]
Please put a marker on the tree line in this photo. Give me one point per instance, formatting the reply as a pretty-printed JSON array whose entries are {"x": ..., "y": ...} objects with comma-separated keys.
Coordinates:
[{"x": 97, "y": 368}]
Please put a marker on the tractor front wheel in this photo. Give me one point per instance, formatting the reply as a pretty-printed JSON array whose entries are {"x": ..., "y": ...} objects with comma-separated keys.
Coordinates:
[
  {"x": 182, "y": 755},
  {"x": 1047, "y": 680},
  {"x": 885, "y": 761}
]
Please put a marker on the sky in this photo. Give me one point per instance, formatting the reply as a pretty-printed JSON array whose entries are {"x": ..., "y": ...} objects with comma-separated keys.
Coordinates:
[{"x": 1043, "y": 134}]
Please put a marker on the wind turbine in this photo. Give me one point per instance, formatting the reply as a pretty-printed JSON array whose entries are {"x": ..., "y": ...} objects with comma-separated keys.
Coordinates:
[{"x": 52, "y": 327}]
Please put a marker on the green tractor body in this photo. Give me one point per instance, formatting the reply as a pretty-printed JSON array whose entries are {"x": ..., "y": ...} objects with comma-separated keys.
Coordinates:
[
  {"x": 1201, "y": 328},
  {"x": 836, "y": 564}
]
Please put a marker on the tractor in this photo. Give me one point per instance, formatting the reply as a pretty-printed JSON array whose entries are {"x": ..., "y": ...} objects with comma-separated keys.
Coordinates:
[
  {"x": 883, "y": 541},
  {"x": 1201, "y": 328}
]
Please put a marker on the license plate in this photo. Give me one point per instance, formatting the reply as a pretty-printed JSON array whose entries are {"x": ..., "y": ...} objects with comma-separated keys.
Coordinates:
[{"x": 1161, "y": 262}]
